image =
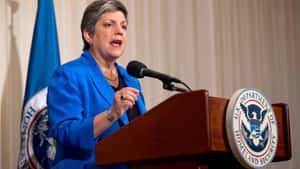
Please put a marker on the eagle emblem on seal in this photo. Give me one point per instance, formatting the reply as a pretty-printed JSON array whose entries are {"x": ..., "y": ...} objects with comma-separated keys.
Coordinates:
[{"x": 255, "y": 129}]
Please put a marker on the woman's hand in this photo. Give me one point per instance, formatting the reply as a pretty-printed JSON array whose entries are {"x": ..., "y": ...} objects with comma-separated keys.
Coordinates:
[{"x": 123, "y": 100}]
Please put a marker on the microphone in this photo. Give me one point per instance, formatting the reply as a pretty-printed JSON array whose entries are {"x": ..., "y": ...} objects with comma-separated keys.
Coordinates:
[{"x": 139, "y": 70}]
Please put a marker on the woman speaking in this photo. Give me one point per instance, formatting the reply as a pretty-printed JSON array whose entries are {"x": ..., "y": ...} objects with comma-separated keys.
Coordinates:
[{"x": 91, "y": 97}]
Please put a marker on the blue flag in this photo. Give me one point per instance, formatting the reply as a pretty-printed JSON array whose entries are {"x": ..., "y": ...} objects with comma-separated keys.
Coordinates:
[
  {"x": 44, "y": 55},
  {"x": 37, "y": 150}
]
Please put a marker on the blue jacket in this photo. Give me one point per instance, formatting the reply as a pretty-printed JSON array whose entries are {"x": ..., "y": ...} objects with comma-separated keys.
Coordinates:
[{"x": 78, "y": 92}]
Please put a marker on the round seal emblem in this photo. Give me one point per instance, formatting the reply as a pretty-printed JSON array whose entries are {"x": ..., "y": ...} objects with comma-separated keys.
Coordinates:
[
  {"x": 251, "y": 128},
  {"x": 37, "y": 148}
]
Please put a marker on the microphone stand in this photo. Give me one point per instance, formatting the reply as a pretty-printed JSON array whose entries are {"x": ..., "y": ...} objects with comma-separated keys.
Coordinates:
[{"x": 169, "y": 86}]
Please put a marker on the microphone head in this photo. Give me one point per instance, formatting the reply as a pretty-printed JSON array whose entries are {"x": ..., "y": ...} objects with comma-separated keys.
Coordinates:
[{"x": 135, "y": 68}]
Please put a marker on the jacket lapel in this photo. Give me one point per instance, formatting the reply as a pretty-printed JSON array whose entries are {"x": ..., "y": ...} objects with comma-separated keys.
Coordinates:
[{"x": 98, "y": 79}]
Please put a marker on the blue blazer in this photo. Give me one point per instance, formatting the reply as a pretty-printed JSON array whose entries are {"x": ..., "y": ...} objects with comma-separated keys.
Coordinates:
[{"x": 78, "y": 92}]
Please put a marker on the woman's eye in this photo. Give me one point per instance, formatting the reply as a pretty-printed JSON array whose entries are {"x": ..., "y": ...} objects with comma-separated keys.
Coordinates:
[
  {"x": 124, "y": 27},
  {"x": 107, "y": 25}
]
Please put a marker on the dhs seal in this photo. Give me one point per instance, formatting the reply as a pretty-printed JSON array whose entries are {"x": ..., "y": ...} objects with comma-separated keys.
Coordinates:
[
  {"x": 251, "y": 128},
  {"x": 37, "y": 149}
]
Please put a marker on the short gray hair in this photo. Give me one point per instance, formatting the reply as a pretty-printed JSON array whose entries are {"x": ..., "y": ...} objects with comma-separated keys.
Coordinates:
[{"x": 93, "y": 13}]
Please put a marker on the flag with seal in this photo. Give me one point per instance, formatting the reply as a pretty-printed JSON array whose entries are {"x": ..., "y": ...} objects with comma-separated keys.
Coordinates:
[{"x": 37, "y": 149}]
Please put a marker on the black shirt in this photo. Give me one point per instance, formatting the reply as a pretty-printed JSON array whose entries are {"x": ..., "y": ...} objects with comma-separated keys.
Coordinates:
[{"x": 133, "y": 112}]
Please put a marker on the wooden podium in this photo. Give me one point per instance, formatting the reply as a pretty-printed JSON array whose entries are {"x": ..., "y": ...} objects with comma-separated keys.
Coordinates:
[{"x": 186, "y": 131}]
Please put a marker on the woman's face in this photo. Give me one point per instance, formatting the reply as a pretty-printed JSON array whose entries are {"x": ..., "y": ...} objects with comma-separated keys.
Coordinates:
[{"x": 109, "y": 39}]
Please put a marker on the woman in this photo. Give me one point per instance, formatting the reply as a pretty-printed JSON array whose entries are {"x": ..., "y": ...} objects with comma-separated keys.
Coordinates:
[{"x": 91, "y": 97}]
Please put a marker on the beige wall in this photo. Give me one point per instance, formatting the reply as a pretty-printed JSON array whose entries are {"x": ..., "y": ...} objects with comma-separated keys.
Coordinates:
[
  {"x": 256, "y": 46},
  {"x": 212, "y": 44}
]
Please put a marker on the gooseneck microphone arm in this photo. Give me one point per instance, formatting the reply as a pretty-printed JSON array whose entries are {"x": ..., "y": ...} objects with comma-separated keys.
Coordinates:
[
  {"x": 139, "y": 70},
  {"x": 171, "y": 87},
  {"x": 163, "y": 77}
]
